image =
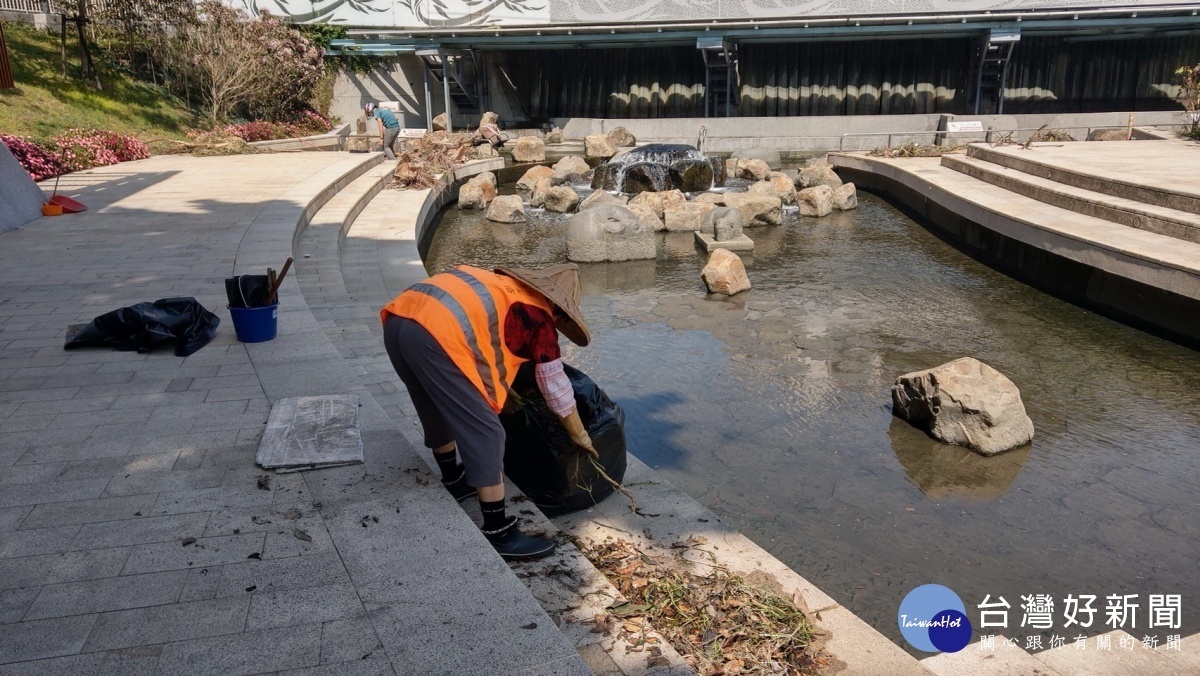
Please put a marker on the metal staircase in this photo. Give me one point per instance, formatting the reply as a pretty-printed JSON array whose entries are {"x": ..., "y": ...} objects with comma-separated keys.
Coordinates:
[
  {"x": 458, "y": 72},
  {"x": 720, "y": 75},
  {"x": 993, "y": 54}
]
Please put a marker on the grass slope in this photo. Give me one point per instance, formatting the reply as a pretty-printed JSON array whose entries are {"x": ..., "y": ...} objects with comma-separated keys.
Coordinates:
[{"x": 44, "y": 103}]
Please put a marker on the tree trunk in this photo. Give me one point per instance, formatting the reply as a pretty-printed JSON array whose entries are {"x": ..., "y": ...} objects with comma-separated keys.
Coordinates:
[{"x": 88, "y": 68}]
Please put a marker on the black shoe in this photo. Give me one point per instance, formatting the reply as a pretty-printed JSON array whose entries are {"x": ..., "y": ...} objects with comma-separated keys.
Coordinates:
[
  {"x": 511, "y": 543},
  {"x": 459, "y": 487}
]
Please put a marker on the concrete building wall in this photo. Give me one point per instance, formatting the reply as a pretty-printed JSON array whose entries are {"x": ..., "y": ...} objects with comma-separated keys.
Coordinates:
[{"x": 399, "y": 79}]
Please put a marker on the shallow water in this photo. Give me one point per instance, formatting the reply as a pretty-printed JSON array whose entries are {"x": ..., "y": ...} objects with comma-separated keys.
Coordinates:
[{"x": 773, "y": 408}]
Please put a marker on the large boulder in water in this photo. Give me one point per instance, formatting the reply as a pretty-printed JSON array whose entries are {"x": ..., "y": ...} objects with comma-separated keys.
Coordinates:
[
  {"x": 604, "y": 177},
  {"x": 686, "y": 216},
  {"x": 966, "y": 403},
  {"x": 757, "y": 208},
  {"x": 725, "y": 273},
  {"x": 645, "y": 214},
  {"x": 718, "y": 166},
  {"x": 815, "y": 201},
  {"x": 561, "y": 199},
  {"x": 597, "y": 145},
  {"x": 817, "y": 174},
  {"x": 768, "y": 155},
  {"x": 608, "y": 233},
  {"x": 755, "y": 170},
  {"x": 691, "y": 175},
  {"x": 530, "y": 178},
  {"x": 599, "y": 199},
  {"x": 470, "y": 196},
  {"x": 571, "y": 165},
  {"x": 845, "y": 197},
  {"x": 643, "y": 177},
  {"x": 529, "y": 149},
  {"x": 621, "y": 138},
  {"x": 659, "y": 201},
  {"x": 506, "y": 209}
]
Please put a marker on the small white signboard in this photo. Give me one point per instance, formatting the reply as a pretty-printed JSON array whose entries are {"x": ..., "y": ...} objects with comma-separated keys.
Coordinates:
[{"x": 967, "y": 125}]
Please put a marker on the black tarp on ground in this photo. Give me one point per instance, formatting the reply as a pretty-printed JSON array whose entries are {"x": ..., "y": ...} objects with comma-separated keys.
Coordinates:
[
  {"x": 182, "y": 322},
  {"x": 541, "y": 459}
]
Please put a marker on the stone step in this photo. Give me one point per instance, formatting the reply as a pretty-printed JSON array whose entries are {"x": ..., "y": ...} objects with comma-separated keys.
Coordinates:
[
  {"x": 1109, "y": 183},
  {"x": 1129, "y": 212},
  {"x": 1126, "y": 656},
  {"x": 1005, "y": 660}
]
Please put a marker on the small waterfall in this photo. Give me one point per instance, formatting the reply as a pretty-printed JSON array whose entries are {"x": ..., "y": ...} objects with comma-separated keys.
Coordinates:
[
  {"x": 658, "y": 167},
  {"x": 651, "y": 163}
]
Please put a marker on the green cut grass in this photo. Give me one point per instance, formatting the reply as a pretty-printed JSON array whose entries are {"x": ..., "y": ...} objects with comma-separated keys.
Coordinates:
[{"x": 45, "y": 104}]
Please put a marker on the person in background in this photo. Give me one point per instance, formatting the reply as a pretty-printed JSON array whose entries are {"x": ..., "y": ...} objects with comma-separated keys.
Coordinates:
[
  {"x": 457, "y": 340},
  {"x": 389, "y": 127}
]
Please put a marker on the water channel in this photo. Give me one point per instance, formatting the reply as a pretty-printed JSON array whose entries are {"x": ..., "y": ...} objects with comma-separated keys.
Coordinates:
[{"x": 773, "y": 409}]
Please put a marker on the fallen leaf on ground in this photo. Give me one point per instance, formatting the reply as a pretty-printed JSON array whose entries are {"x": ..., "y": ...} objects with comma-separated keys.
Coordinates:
[
  {"x": 258, "y": 520},
  {"x": 264, "y": 482},
  {"x": 301, "y": 535},
  {"x": 531, "y": 625},
  {"x": 659, "y": 661},
  {"x": 255, "y": 555},
  {"x": 694, "y": 541},
  {"x": 189, "y": 541}
]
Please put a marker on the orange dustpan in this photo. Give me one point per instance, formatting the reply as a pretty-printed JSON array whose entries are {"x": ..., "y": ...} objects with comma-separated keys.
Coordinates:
[{"x": 68, "y": 205}]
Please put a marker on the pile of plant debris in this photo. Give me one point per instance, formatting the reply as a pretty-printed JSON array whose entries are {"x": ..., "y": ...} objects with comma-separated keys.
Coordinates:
[
  {"x": 206, "y": 144},
  {"x": 918, "y": 150},
  {"x": 719, "y": 622},
  {"x": 429, "y": 157}
]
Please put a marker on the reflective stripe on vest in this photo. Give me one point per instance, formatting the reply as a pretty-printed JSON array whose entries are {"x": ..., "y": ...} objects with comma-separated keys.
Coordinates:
[{"x": 464, "y": 310}]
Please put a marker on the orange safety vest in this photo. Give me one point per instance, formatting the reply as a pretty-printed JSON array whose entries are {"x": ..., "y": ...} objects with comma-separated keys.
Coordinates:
[{"x": 464, "y": 310}]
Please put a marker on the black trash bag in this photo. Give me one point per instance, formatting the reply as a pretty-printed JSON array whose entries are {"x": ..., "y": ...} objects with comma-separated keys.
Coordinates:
[
  {"x": 246, "y": 290},
  {"x": 541, "y": 459},
  {"x": 181, "y": 321}
]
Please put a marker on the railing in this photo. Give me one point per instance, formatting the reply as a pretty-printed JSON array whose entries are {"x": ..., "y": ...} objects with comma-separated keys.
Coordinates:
[
  {"x": 39, "y": 6},
  {"x": 985, "y": 135}
]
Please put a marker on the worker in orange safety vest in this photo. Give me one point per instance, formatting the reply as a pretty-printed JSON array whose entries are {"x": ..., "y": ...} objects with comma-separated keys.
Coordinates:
[{"x": 457, "y": 340}]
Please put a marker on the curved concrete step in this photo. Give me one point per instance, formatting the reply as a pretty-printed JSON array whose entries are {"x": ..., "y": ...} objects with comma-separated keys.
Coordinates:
[
  {"x": 1171, "y": 189},
  {"x": 1129, "y": 212}
]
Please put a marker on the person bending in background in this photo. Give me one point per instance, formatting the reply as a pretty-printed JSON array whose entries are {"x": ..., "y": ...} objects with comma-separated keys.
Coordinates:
[
  {"x": 389, "y": 127},
  {"x": 457, "y": 340}
]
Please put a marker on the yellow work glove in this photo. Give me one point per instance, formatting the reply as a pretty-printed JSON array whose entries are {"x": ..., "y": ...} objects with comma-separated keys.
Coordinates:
[{"x": 578, "y": 434}]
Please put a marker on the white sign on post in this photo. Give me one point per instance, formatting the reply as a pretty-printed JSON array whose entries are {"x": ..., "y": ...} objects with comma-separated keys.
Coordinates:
[{"x": 968, "y": 125}]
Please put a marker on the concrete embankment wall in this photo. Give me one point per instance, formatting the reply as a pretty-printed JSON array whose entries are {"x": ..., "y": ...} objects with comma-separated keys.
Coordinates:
[{"x": 850, "y": 132}]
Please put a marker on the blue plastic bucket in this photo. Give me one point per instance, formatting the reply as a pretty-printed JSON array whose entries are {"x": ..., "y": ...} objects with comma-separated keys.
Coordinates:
[{"x": 254, "y": 324}]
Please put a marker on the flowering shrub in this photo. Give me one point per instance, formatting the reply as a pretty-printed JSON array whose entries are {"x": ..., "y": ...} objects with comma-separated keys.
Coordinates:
[
  {"x": 40, "y": 164},
  {"x": 305, "y": 123},
  {"x": 74, "y": 150},
  {"x": 80, "y": 149}
]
